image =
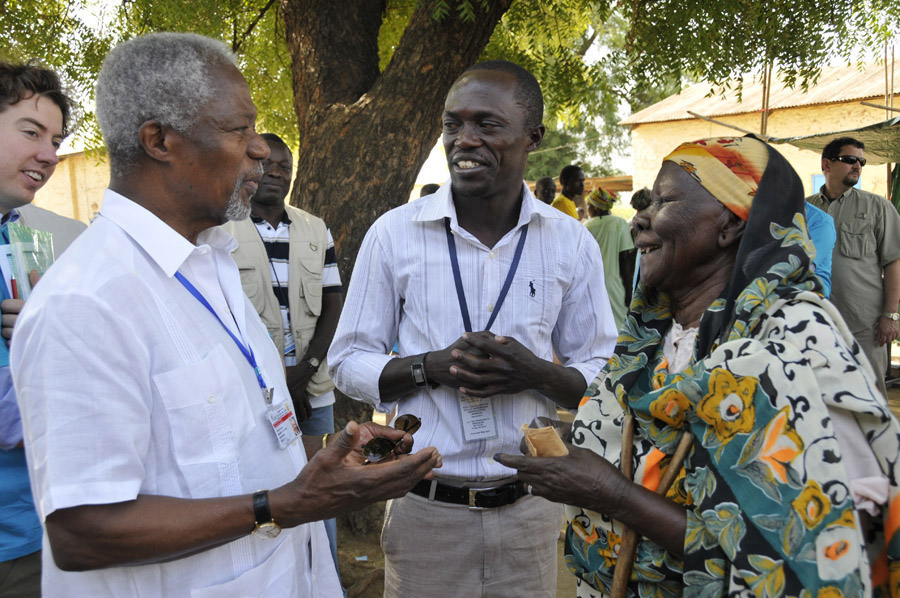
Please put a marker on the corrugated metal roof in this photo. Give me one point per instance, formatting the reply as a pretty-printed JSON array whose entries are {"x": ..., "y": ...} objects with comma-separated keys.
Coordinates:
[
  {"x": 612, "y": 183},
  {"x": 835, "y": 85}
]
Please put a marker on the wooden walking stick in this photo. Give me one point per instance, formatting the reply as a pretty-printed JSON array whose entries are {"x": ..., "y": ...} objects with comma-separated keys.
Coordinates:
[{"x": 628, "y": 549}]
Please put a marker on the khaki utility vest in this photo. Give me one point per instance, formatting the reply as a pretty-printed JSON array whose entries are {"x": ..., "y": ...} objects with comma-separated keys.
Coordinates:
[{"x": 308, "y": 242}]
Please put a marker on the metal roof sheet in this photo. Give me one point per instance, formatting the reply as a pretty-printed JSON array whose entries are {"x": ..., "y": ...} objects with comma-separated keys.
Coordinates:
[
  {"x": 882, "y": 140},
  {"x": 835, "y": 85}
]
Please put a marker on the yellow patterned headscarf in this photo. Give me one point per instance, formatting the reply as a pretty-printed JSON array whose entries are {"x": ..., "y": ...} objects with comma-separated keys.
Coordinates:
[
  {"x": 728, "y": 167},
  {"x": 602, "y": 199}
]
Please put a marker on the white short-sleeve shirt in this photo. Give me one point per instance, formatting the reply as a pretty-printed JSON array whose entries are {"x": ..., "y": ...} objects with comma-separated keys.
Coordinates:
[{"x": 128, "y": 385}]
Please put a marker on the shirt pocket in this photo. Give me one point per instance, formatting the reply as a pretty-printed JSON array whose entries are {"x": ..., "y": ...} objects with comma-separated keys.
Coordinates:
[
  {"x": 275, "y": 577},
  {"x": 208, "y": 417},
  {"x": 534, "y": 300},
  {"x": 857, "y": 239}
]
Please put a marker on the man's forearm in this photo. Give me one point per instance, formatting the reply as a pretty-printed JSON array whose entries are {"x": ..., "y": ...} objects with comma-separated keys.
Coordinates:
[
  {"x": 396, "y": 379},
  {"x": 149, "y": 529},
  {"x": 892, "y": 286},
  {"x": 325, "y": 327},
  {"x": 562, "y": 385}
]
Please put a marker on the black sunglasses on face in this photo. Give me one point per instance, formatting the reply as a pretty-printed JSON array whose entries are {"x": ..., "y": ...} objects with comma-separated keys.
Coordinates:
[{"x": 851, "y": 160}]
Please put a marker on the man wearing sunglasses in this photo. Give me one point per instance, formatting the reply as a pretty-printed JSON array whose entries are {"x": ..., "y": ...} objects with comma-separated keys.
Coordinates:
[{"x": 866, "y": 259}]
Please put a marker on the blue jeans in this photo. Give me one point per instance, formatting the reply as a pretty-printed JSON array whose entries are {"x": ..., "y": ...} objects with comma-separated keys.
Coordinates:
[{"x": 322, "y": 422}]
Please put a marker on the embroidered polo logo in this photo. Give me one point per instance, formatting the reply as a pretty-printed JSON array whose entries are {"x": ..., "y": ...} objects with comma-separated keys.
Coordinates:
[{"x": 531, "y": 287}]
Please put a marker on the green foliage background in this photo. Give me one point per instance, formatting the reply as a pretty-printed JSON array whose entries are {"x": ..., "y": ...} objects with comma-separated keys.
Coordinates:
[{"x": 591, "y": 57}]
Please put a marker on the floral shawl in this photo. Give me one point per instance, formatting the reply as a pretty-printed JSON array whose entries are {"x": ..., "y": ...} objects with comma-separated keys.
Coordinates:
[{"x": 769, "y": 512}]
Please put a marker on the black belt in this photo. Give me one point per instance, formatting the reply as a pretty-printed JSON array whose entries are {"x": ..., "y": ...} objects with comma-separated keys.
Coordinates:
[{"x": 476, "y": 498}]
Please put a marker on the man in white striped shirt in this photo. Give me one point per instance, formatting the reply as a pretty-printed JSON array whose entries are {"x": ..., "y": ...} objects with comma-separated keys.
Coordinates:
[{"x": 481, "y": 254}]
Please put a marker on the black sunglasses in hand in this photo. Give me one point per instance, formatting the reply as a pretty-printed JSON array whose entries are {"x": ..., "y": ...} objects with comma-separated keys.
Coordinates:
[
  {"x": 380, "y": 448},
  {"x": 851, "y": 160}
]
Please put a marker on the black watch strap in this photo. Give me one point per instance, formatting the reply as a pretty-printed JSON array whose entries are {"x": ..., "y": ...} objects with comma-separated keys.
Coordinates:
[
  {"x": 261, "y": 509},
  {"x": 418, "y": 372}
]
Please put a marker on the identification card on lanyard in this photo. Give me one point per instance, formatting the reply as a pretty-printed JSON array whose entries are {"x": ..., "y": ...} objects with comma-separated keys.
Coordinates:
[
  {"x": 477, "y": 418},
  {"x": 284, "y": 423},
  {"x": 281, "y": 417},
  {"x": 477, "y": 413}
]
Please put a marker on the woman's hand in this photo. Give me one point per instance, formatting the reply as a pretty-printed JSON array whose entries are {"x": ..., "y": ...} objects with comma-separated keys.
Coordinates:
[
  {"x": 582, "y": 478},
  {"x": 586, "y": 480}
]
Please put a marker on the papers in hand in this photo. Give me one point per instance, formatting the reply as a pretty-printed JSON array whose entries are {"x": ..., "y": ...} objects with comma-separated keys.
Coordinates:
[{"x": 29, "y": 249}]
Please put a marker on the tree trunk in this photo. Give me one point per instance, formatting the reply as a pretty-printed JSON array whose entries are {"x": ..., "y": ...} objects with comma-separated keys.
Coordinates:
[{"x": 364, "y": 134}]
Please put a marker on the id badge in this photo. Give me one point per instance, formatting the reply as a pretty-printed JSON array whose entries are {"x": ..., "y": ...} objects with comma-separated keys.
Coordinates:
[
  {"x": 284, "y": 423},
  {"x": 477, "y": 418}
]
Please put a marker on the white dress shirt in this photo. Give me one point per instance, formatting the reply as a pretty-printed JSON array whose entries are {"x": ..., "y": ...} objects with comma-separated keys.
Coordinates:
[
  {"x": 128, "y": 385},
  {"x": 402, "y": 287}
]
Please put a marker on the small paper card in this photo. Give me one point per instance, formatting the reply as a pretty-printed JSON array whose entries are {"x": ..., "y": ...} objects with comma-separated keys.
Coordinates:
[{"x": 544, "y": 441}]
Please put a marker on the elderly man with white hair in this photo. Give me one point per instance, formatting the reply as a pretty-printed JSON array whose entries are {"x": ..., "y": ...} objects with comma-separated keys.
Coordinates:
[{"x": 155, "y": 407}]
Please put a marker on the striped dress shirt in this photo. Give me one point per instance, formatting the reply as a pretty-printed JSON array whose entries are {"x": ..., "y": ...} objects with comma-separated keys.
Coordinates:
[{"x": 402, "y": 287}]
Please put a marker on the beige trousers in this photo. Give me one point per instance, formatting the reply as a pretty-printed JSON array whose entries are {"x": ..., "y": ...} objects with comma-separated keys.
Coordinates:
[{"x": 436, "y": 549}]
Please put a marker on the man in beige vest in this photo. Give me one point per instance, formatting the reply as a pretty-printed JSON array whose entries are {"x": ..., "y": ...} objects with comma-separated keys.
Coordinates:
[{"x": 289, "y": 272}]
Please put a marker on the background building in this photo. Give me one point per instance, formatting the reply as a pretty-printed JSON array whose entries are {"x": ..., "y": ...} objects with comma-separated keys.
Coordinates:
[{"x": 832, "y": 104}]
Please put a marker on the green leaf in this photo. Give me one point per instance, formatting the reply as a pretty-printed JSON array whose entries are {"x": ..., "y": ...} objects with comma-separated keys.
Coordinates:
[
  {"x": 726, "y": 527},
  {"x": 768, "y": 579},
  {"x": 702, "y": 484},
  {"x": 772, "y": 523}
]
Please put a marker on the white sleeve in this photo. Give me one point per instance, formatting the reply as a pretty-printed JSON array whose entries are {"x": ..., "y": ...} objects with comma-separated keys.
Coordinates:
[
  {"x": 585, "y": 333},
  {"x": 80, "y": 372},
  {"x": 368, "y": 325}
]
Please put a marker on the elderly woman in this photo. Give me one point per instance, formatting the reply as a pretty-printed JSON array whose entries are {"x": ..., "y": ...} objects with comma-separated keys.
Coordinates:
[{"x": 790, "y": 481}]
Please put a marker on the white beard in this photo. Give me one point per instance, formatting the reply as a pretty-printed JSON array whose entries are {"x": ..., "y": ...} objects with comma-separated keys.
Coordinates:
[{"x": 236, "y": 209}]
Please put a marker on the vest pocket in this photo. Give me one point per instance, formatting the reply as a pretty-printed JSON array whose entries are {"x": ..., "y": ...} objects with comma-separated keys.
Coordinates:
[
  {"x": 249, "y": 280},
  {"x": 311, "y": 283}
]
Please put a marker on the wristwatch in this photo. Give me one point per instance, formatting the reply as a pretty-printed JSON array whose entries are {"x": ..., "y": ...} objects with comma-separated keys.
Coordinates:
[
  {"x": 265, "y": 525},
  {"x": 313, "y": 363},
  {"x": 417, "y": 368},
  {"x": 891, "y": 316}
]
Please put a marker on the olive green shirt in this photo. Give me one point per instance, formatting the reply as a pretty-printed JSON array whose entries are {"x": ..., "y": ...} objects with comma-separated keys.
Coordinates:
[
  {"x": 868, "y": 239},
  {"x": 614, "y": 236}
]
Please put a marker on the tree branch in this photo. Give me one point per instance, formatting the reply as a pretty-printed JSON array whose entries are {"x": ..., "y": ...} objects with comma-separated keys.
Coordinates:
[{"x": 236, "y": 45}]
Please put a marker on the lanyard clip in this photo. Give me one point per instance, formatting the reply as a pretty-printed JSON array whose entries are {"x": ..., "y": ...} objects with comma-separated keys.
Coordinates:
[{"x": 268, "y": 393}]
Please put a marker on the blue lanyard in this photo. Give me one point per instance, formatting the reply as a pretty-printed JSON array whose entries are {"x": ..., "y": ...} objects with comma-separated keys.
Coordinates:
[
  {"x": 457, "y": 278},
  {"x": 247, "y": 351}
]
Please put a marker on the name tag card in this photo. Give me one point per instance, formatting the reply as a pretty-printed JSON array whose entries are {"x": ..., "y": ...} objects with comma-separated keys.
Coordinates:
[
  {"x": 284, "y": 423},
  {"x": 478, "y": 418}
]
